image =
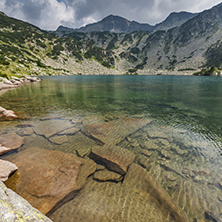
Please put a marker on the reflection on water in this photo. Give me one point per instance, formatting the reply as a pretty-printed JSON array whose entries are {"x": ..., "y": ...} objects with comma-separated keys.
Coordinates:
[{"x": 179, "y": 144}]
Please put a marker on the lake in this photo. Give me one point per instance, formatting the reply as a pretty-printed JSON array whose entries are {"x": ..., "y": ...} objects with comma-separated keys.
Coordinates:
[{"x": 179, "y": 146}]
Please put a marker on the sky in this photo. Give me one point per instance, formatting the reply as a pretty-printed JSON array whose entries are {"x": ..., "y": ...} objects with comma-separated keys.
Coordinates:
[{"x": 49, "y": 14}]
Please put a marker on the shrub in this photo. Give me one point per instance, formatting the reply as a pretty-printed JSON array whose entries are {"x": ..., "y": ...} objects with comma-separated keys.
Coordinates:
[
  {"x": 4, "y": 75},
  {"x": 106, "y": 64},
  {"x": 40, "y": 64}
]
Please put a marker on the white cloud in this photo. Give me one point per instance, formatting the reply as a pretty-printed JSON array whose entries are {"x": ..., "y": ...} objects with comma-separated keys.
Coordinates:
[
  {"x": 49, "y": 14},
  {"x": 88, "y": 20},
  {"x": 55, "y": 14},
  {"x": 46, "y": 14}
]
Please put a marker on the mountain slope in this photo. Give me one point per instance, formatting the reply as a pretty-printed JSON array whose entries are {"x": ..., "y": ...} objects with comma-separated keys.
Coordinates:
[
  {"x": 174, "y": 19},
  {"x": 27, "y": 49},
  {"x": 193, "y": 45}
]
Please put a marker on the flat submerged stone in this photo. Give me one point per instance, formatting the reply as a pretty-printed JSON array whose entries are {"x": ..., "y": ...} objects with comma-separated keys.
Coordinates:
[
  {"x": 115, "y": 131},
  {"x": 47, "y": 178},
  {"x": 52, "y": 127},
  {"x": 114, "y": 158},
  {"x": 106, "y": 175},
  {"x": 10, "y": 141},
  {"x": 138, "y": 198},
  {"x": 139, "y": 178}
]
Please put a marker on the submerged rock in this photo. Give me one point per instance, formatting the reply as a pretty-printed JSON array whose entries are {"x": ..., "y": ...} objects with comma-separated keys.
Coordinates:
[
  {"x": 28, "y": 131},
  {"x": 7, "y": 114},
  {"x": 143, "y": 161},
  {"x": 139, "y": 178},
  {"x": 106, "y": 175},
  {"x": 6, "y": 169},
  {"x": 52, "y": 127},
  {"x": 136, "y": 199},
  {"x": 114, "y": 158},
  {"x": 47, "y": 178},
  {"x": 10, "y": 141},
  {"x": 59, "y": 139},
  {"x": 115, "y": 131},
  {"x": 70, "y": 131},
  {"x": 15, "y": 208}
]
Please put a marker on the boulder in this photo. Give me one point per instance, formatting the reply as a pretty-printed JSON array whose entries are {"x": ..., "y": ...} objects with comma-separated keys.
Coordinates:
[
  {"x": 114, "y": 158},
  {"x": 15, "y": 208},
  {"x": 106, "y": 175},
  {"x": 47, "y": 178},
  {"x": 115, "y": 131},
  {"x": 10, "y": 141},
  {"x": 4, "y": 150},
  {"x": 6, "y": 169},
  {"x": 6, "y": 81},
  {"x": 9, "y": 114},
  {"x": 2, "y": 109}
]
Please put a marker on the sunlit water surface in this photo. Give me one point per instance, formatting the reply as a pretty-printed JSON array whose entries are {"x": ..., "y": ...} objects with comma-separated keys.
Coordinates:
[{"x": 185, "y": 132}]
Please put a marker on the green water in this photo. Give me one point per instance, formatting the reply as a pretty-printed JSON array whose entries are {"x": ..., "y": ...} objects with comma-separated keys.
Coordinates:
[{"x": 186, "y": 127}]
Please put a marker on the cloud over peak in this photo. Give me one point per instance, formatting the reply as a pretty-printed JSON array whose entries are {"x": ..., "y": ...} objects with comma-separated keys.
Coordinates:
[{"x": 49, "y": 14}]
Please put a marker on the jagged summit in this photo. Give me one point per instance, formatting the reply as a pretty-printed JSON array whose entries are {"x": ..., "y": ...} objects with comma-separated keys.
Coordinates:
[
  {"x": 118, "y": 24},
  {"x": 175, "y": 19}
]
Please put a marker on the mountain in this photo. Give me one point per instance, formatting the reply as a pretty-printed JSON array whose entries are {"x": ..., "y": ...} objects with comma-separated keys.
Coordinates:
[
  {"x": 174, "y": 19},
  {"x": 193, "y": 45},
  {"x": 26, "y": 49},
  {"x": 111, "y": 23},
  {"x": 118, "y": 24}
]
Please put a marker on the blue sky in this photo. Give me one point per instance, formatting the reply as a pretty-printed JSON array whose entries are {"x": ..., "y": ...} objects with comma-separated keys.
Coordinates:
[{"x": 49, "y": 14}]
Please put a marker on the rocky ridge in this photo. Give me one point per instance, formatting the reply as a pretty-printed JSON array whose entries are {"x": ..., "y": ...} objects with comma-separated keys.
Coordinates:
[{"x": 181, "y": 44}]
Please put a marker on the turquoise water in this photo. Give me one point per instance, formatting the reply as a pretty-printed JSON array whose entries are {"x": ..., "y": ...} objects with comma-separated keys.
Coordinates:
[{"x": 186, "y": 127}]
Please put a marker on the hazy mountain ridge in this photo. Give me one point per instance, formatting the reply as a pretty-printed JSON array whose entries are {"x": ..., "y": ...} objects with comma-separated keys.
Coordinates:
[
  {"x": 117, "y": 24},
  {"x": 193, "y": 45},
  {"x": 111, "y": 23}
]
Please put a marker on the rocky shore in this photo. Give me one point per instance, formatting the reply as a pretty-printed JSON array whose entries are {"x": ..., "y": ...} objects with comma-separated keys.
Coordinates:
[
  {"x": 12, "y": 206},
  {"x": 66, "y": 174},
  {"x": 14, "y": 82}
]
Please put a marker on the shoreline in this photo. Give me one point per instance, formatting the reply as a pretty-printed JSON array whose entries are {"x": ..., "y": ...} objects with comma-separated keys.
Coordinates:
[{"x": 15, "y": 82}]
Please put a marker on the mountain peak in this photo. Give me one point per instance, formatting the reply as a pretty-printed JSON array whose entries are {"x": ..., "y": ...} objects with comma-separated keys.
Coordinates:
[
  {"x": 117, "y": 24},
  {"x": 175, "y": 19}
]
